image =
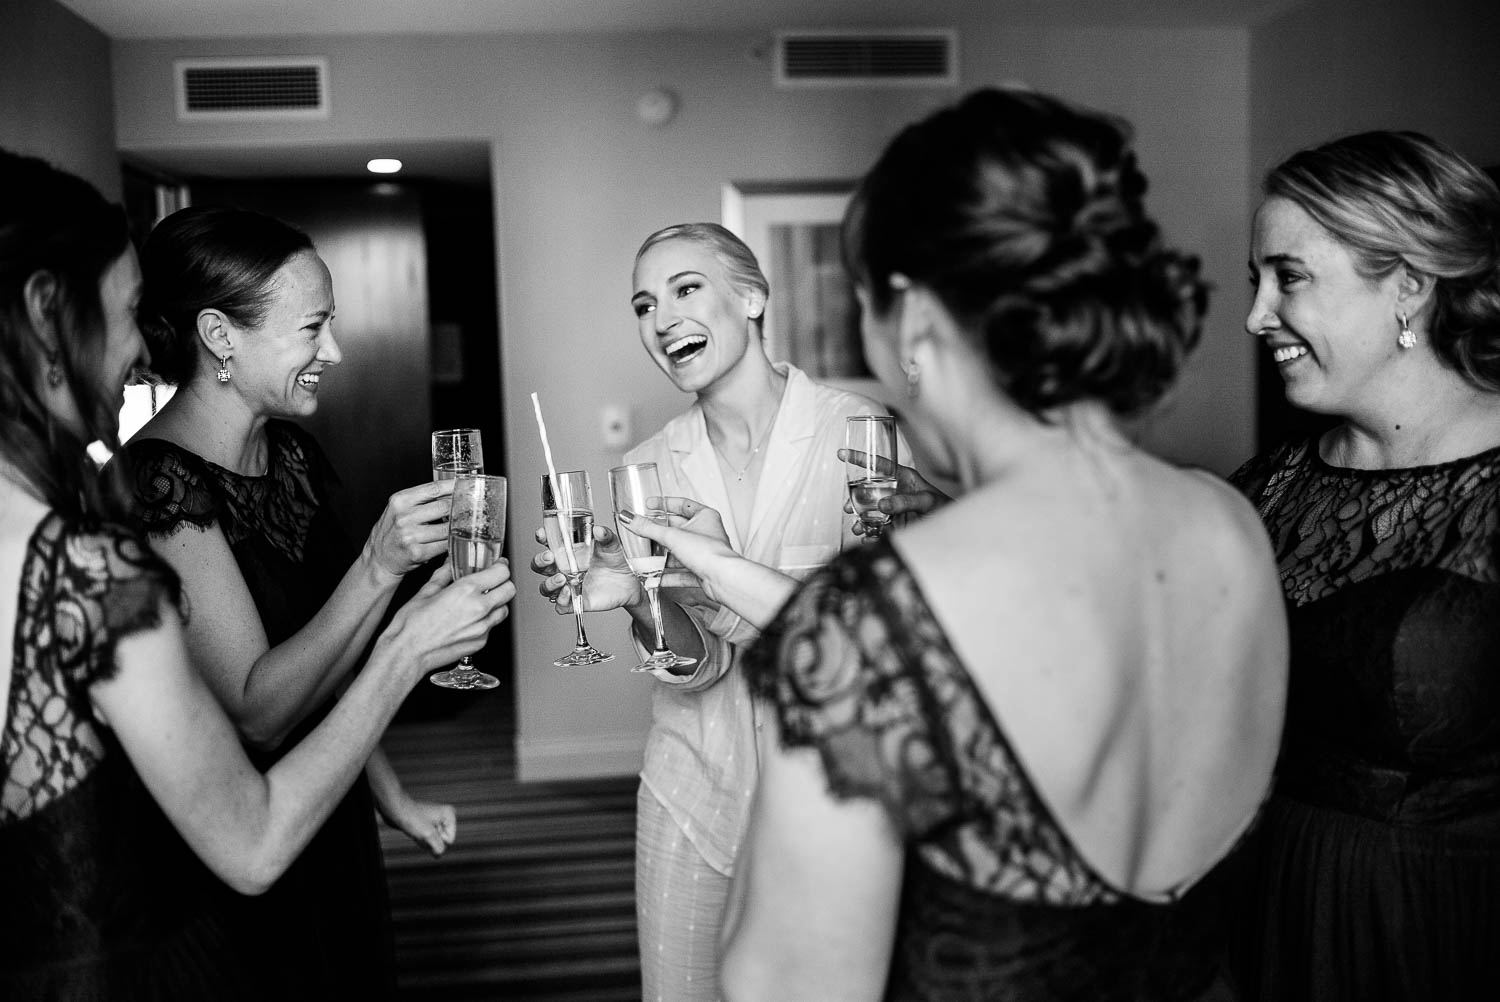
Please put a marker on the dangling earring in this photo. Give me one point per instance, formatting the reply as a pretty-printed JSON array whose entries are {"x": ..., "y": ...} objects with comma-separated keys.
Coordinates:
[
  {"x": 54, "y": 370},
  {"x": 1407, "y": 339},
  {"x": 913, "y": 377},
  {"x": 223, "y": 373}
]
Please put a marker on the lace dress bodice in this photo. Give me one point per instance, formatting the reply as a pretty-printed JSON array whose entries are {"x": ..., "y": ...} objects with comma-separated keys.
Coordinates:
[
  {"x": 327, "y": 920},
  {"x": 101, "y": 898},
  {"x": 1392, "y": 583},
  {"x": 997, "y": 903}
]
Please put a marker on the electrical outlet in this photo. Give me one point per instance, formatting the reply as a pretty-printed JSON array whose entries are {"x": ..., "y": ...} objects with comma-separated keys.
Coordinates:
[{"x": 614, "y": 426}]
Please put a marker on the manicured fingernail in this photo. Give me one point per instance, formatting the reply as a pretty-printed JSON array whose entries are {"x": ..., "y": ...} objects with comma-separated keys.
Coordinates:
[{"x": 626, "y": 517}]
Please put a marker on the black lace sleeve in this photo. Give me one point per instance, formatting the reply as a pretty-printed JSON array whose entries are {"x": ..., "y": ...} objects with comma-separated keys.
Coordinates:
[
  {"x": 170, "y": 488},
  {"x": 837, "y": 681},
  {"x": 106, "y": 585}
]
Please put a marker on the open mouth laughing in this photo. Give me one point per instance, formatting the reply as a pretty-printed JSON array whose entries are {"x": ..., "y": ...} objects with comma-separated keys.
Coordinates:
[
  {"x": 308, "y": 380},
  {"x": 686, "y": 348},
  {"x": 1288, "y": 353}
]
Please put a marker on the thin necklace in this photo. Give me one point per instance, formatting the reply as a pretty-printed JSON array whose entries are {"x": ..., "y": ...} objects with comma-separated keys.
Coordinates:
[{"x": 739, "y": 474}]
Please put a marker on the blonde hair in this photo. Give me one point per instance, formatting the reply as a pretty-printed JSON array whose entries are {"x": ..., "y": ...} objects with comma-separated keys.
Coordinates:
[{"x": 1403, "y": 199}]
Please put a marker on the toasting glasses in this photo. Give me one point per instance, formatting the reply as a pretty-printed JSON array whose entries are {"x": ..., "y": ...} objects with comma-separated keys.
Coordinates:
[
  {"x": 476, "y": 537},
  {"x": 631, "y": 488},
  {"x": 568, "y": 520},
  {"x": 456, "y": 451},
  {"x": 870, "y": 441}
]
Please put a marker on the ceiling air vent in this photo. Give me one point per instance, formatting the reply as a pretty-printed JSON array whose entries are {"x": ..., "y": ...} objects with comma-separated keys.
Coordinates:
[
  {"x": 264, "y": 89},
  {"x": 919, "y": 57}
]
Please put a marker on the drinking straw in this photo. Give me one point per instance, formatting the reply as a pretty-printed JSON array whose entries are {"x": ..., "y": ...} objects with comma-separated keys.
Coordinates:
[{"x": 541, "y": 425}]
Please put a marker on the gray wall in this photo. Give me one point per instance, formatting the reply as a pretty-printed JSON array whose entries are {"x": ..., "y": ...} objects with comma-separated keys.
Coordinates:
[
  {"x": 55, "y": 91},
  {"x": 1336, "y": 67},
  {"x": 579, "y": 180}
]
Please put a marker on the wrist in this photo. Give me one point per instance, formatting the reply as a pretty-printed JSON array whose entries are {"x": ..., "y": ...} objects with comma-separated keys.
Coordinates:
[{"x": 375, "y": 573}]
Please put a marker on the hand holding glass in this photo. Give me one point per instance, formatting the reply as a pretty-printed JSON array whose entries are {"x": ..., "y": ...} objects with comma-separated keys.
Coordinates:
[
  {"x": 870, "y": 441},
  {"x": 568, "y": 520},
  {"x": 631, "y": 488},
  {"x": 476, "y": 537},
  {"x": 456, "y": 451}
]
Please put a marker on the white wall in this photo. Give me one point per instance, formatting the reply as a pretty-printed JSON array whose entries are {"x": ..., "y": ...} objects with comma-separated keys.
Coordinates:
[{"x": 579, "y": 181}]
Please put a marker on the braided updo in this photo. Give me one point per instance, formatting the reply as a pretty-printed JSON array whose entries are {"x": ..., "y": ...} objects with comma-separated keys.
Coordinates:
[{"x": 1025, "y": 217}]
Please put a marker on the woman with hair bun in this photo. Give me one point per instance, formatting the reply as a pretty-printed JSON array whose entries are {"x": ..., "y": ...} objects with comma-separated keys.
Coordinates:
[
  {"x": 1009, "y": 748},
  {"x": 1375, "y": 261},
  {"x": 126, "y": 790},
  {"x": 239, "y": 314}
]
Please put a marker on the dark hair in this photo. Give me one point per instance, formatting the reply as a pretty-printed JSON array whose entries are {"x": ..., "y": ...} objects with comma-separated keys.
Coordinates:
[
  {"x": 1024, "y": 216},
  {"x": 1402, "y": 198},
  {"x": 56, "y": 224},
  {"x": 210, "y": 257}
]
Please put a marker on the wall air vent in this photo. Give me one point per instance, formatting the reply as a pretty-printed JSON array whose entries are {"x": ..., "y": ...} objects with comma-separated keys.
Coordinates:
[
  {"x": 919, "y": 57},
  {"x": 262, "y": 89}
]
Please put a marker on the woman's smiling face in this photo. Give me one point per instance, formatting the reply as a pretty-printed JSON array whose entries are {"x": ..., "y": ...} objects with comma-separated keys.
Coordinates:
[
  {"x": 278, "y": 364},
  {"x": 1331, "y": 331},
  {"x": 692, "y": 320}
]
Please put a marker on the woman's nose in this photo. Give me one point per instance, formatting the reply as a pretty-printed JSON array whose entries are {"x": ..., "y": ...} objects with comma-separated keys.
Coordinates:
[
  {"x": 1262, "y": 316},
  {"x": 328, "y": 349}
]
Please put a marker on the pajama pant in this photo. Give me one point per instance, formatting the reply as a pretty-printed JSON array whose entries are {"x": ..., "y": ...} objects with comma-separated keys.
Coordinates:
[{"x": 679, "y": 904}]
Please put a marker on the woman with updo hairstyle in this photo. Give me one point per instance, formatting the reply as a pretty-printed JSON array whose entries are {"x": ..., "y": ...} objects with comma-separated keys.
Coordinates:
[
  {"x": 1375, "y": 261},
  {"x": 236, "y": 497},
  {"x": 128, "y": 807},
  {"x": 1011, "y": 748}
]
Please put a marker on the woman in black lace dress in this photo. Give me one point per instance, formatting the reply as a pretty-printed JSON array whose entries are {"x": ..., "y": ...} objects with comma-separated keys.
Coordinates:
[
  {"x": 1376, "y": 263},
  {"x": 238, "y": 311},
  {"x": 1016, "y": 741},
  {"x": 126, "y": 795}
]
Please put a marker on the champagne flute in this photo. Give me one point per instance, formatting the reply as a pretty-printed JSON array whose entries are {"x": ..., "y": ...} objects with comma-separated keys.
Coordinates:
[
  {"x": 870, "y": 443},
  {"x": 632, "y": 488},
  {"x": 456, "y": 451},
  {"x": 476, "y": 536},
  {"x": 568, "y": 520}
]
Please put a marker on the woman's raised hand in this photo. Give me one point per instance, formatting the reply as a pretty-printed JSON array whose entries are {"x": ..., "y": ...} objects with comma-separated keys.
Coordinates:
[
  {"x": 412, "y": 529},
  {"x": 914, "y": 495},
  {"x": 448, "y": 619},
  {"x": 609, "y": 583}
]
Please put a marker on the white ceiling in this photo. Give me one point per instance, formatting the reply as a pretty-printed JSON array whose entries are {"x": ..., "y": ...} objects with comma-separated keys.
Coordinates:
[{"x": 124, "y": 19}]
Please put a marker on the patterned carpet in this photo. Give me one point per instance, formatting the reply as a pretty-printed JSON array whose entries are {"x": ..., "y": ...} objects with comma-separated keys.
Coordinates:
[{"x": 535, "y": 900}]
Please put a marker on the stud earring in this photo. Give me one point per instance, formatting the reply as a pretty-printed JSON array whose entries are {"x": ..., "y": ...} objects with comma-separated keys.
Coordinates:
[
  {"x": 223, "y": 373},
  {"x": 913, "y": 374},
  {"x": 1407, "y": 340},
  {"x": 54, "y": 370}
]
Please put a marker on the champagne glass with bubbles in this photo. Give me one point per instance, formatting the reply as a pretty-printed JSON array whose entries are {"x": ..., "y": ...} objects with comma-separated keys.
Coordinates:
[
  {"x": 476, "y": 537},
  {"x": 456, "y": 451},
  {"x": 633, "y": 489},
  {"x": 568, "y": 520},
  {"x": 870, "y": 444}
]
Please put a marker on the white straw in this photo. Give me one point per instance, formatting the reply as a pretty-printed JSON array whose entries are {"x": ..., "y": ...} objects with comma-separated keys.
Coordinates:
[
  {"x": 541, "y": 425},
  {"x": 536, "y": 405}
]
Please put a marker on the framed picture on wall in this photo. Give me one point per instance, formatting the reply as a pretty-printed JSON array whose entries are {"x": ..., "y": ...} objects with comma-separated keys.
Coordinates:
[{"x": 812, "y": 319}]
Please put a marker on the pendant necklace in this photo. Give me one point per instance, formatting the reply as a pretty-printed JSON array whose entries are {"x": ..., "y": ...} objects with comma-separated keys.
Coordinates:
[{"x": 739, "y": 475}]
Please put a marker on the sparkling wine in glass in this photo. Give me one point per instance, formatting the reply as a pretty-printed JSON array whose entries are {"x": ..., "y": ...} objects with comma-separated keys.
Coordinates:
[
  {"x": 456, "y": 451},
  {"x": 870, "y": 441},
  {"x": 631, "y": 488},
  {"x": 568, "y": 521},
  {"x": 476, "y": 537}
]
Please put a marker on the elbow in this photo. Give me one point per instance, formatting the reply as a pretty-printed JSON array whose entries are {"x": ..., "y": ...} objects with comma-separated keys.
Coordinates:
[
  {"x": 250, "y": 878},
  {"x": 261, "y": 735}
]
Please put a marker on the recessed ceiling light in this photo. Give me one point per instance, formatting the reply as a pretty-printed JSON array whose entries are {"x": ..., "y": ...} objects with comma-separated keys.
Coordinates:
[{"x": 383, "y": 165}]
